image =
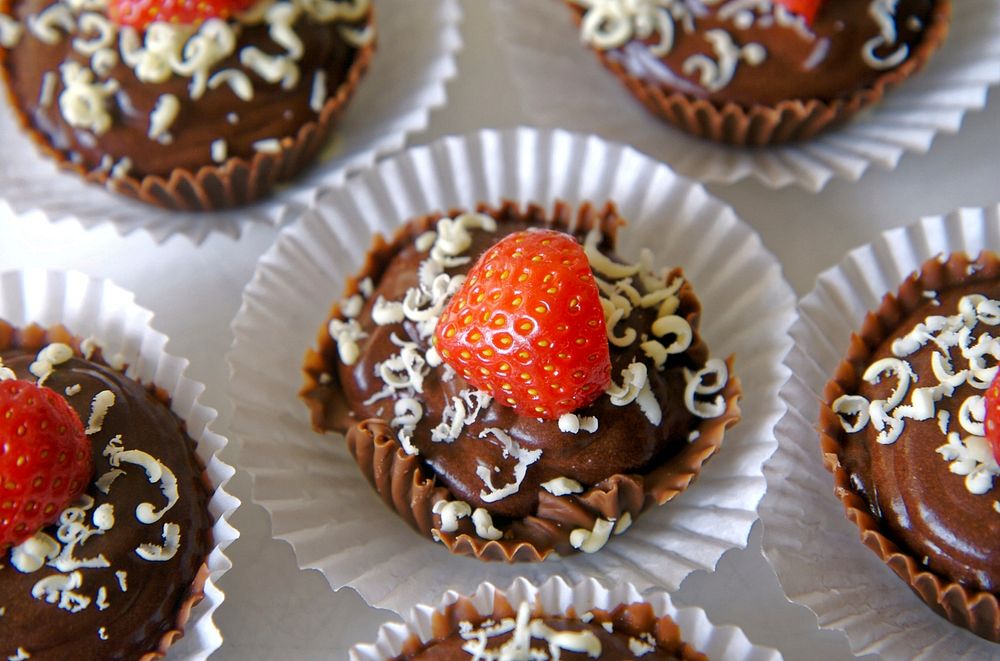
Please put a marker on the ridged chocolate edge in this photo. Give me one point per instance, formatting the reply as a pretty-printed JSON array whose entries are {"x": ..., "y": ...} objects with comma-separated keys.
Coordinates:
[
  {"x": 632, "y": 619},
  {"x": 788, "y": 121},
  {"x": 34, "y": 337},
  {"x": 236, "y": 182},
  {"x": 976, "y": 610},
  {"x": 410, "y": 489}
]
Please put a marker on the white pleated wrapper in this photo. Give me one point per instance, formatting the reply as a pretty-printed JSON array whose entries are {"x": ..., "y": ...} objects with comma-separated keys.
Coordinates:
[
  {"x": 317, "y": 498},
  {"x": 556, "y": 597},
  {"x": 90, "y": 307},
  {"x": 561, "y": 83},
  {"x": 414, "y": 59},
  {"x": 815, "y": 550}
]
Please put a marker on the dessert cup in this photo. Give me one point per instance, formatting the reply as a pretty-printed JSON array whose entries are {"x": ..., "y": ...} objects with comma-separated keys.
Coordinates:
[
  {"x": 405, "y": 80},
  {"x": 318, "y": 500},
  {"x": 543, "y": 45},
  {"x": 556, "y": 597},
  {"x": 830, "y": 570},
  {"x": 756, "y": 108},
  {"x": 100, "y": 309},
  {"x": 641, "y": 462}
]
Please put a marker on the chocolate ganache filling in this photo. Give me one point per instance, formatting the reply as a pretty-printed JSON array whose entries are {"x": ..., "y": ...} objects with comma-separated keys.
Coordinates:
[
  {"x": 491, "y": 458},
  {"x": 174, "y": 97},
  {"x": 757, "y": 53},
  {"x": 913, "y": 440},
  {"x": 111, "y": 577}
]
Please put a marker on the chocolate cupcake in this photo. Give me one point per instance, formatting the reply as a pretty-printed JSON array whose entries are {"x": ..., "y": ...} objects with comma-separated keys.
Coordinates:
[
  {"x": 904, "y": 433},
  {"x": 761, "y": 75},
  {"x": 482, "y": 470},
  {"x": 199, "y": 109},
  {"x": 118, "y": 572}
]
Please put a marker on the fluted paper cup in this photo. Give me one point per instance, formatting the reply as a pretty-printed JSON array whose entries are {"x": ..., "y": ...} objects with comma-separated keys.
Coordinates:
[
  {"x": 815, "y": 550},
  {"x": 561, "y": 83},
  {"x": 556, "y": 597},
  {"x": 98, "y": 308},
  {"x": 406, "y": 79},
  {"x": 311, "y": 486}
]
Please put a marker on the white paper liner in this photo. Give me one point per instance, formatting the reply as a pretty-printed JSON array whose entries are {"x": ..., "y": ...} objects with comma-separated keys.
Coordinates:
[
  {"x": 561, "y": 83},
  {"x": 414, "y": 59},
  {"x": 815, "y": 550},
  {"x": 557, "y": 597},
  {"x": 92, "y": 307},
  {"x": 316, "y": 496}
]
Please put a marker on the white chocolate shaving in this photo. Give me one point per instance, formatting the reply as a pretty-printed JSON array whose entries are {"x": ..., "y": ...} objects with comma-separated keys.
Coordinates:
[
  {"x": 59, "y": 590},
  {"x": 237, "y": 80},
  {"x": 99, "y": 407},
  {"x": 317, "y": 97},
  {"x": 484, "y": 524},
  {"x": 562, "y": 486},
  {"x": 219, "y": 150},
  {"x": 268, "y": 146},
  {"x": 450, "y": 512},
  {"x": 347, "y": 334},
  {"x": 83, "y": 103},
  {"x": 31, "y": 555},
  {"x": 592, "y": 541},
  {"x": 156, "y": 472},
  {"x": 571, "y": 423},
  {"x": 162, "y": 117},
  {"x": 272, "y": 68},
  {"x": 709, "y": 380},
  {"x": 48, "y": 24},
  {"x": 510, "y": 448},
  {"x": 171, "y": 543},
  {"x": 10, "y": 31}
]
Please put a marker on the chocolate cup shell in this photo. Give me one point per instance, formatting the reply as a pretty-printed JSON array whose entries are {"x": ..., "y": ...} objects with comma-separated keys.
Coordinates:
[
  {"x": 791, "y": 120},
  {"x": 237, "y": 181},
  {"x": 34, "y": 337},
  {"x": 411, "y": 489},
  {"x": 972, "y": 609}
]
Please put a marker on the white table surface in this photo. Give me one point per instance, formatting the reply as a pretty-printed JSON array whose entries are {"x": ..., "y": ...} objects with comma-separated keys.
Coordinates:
[{"x": 275, "y": 611}]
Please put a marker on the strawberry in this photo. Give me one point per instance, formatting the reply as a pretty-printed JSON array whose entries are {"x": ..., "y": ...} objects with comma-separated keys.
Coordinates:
[
  {"x": 140, "y": 13},
  {"x": 807, "y": 9},
  {"x": 992, "y": 422},
  {"x": 527, "y": 326},
  {"x": 45, "y": 461}
]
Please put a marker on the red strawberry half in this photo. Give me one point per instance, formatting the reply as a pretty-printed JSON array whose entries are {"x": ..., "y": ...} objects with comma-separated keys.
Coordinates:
[
  {"x": 992, "y": 422},
  {"x": 807, "y": 9},
  {"x": 527, "y": 326},
  {"x": 45, "y": 461},
  {"x": 140, "y": 13}
]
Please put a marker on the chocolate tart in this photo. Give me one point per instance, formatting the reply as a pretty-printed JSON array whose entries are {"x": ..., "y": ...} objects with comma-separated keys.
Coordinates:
[
  {"x": 584, "y": 486},
  {"x": 189, "y": 118},
  {"x": 921, "y": 489},
  {"x": 626, "y": 631},
  {"x": 136, "y": 602},
  {"x": 755, "y": 77}
]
